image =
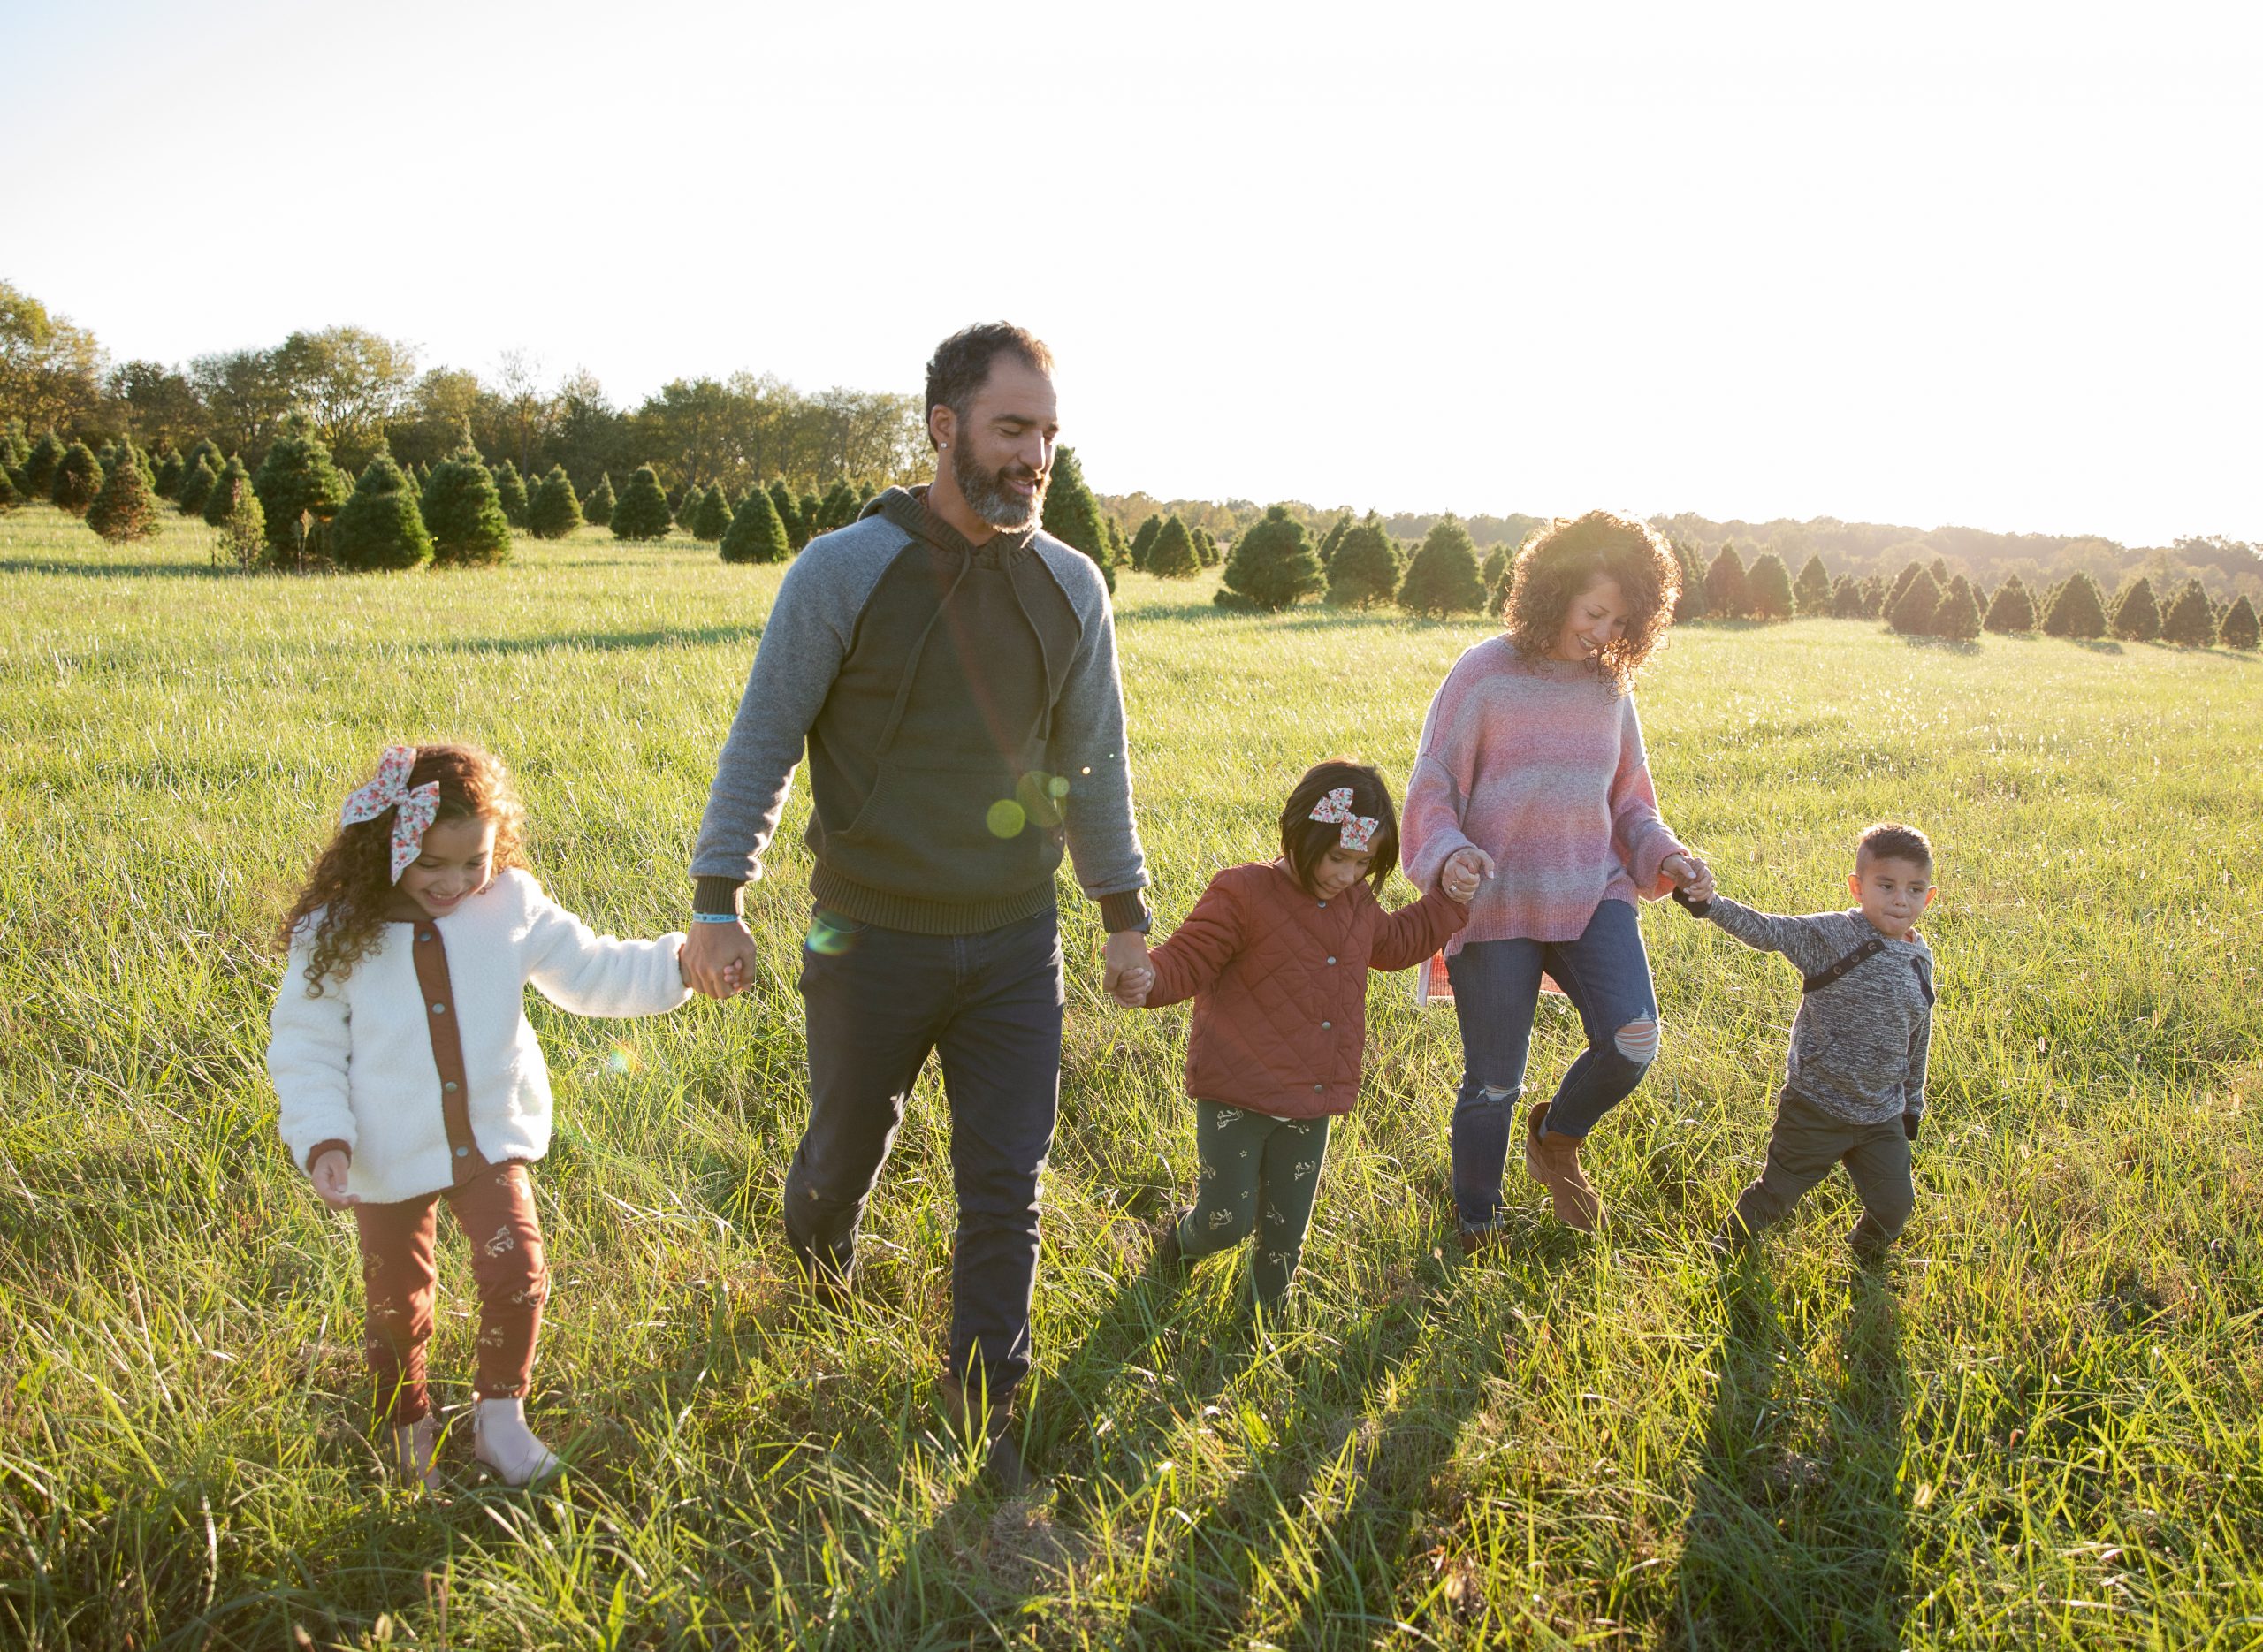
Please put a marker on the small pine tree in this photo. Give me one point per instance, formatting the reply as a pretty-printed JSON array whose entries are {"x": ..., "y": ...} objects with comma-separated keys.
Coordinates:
[
  {"x": 1273, "y": 564},
  {"x": 465, "y": 513},
  {"x": 170, "y": 474},
  {"x": 1144, "y": 541},
  {"x": 712, "y": 520},
  {"x": 842, "y": 504},
  {"x": 790, "y": 513},
  {"x": 1912, "y": 613},
  {"x": 196, "y": 487},
  {"x": 206, "y": 453},
  {"x": 2012, "y": 610},
  {"x": 234, "y": 513},
  {"x": 1958, "y": 616},
  {"x": 1073, "y": 512},
  {"x": 1206, "y": 548},
  {"x": 813, "y": 512},
  {"x": 1901, "y": 581},
  {"x": 299, "y": 487},
  {"x": 755, "y": 535},
  {"x": 1847, "y": 597},
  {"x": 1333, "y": 540},
  {"x": 1688, "y": 603},
  {"x": 553, "y": 511},
  {"x": 1812, "y": 592},
  {"x": 125, "y": 506},
  {"x": 1442, "y": 576},
  {"x": 2077, "y": 610},
  {"x": 1769, "y": 585},
  {"x": 2239, "y": 628},
  {"x": 2189, "y": 622},
  {"x": 10, "y": 497},
  {"x": 1364, "y": 571},
  {"x": 78, "y": 478},
  {"x": 642, "y": 511},
  {"x": 1939, "y": 569},
  {"x": 1119, "y": 548},
  {"x": 2137, "y": 616},
  {"x": 1173, "y": 555},
  {"x": 220, "y": 501},
  {"x": 597, "y": 510},
  {"x": 511, "y": 493},
  {"x": 382, "y": 526},
  {"x": 1728, "y": 594},
  {"x": 40, "y": 466},
  {"x": 15, "y": 447}
]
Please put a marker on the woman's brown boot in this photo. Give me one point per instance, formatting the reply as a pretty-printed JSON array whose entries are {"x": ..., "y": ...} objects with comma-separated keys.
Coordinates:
[
  {"x": 1535, "y": 1120},
  {"x": 1575, "y": 1200}
]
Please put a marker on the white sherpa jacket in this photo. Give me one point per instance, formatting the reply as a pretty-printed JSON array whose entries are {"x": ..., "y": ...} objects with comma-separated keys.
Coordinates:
[{"x": 356, "y": 1065}]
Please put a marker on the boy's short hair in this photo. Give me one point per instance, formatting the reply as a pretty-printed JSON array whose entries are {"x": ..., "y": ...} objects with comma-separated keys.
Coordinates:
[
  {"x": 1304, "y": 841},
  {"x": 1889, "y": 839}
]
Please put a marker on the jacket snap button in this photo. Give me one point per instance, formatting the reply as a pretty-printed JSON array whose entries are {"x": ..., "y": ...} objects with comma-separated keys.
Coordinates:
[
  {"x": 1331, "y": 961},
  {"x": 1320, "y": 1086},
  {"x": 426, "y": 935},
  {"x": 1325, "y": 1025},
  {"x": 442, "y": 1009},
  {"x": 449, "y": 1087},
  {"x": 463, "y": 1153}
]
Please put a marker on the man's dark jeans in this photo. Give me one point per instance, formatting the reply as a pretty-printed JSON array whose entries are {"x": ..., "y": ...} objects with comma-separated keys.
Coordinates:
[{"x": 878, "y": 1000}]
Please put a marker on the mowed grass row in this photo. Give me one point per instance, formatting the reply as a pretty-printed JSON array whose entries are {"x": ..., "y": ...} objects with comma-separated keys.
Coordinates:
[{"x": 2039, "y": 1426}]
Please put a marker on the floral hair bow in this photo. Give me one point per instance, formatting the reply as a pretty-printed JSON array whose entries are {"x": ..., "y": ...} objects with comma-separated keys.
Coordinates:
[
  {"x": 1359, "y": 830},
  {"x": 414, "y": 806}
]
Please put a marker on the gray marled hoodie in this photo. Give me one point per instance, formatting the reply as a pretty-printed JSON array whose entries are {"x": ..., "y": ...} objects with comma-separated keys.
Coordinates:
[
  {"x": 1858, "y": 1045},
  {"x": 965, "y": 724}
]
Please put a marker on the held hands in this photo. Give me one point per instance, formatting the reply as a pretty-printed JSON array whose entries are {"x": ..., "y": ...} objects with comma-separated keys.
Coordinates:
[
  {"x": 1464, "y": 871},
  {"x": 718, "y": 959},
  {"x": 328, "y": 1177},
  {"x": 1126, "y": 974},
  {"x": 1693, "y": 878}
]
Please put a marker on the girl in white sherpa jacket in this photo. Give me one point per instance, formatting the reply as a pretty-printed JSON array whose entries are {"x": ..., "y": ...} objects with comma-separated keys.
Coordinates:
[{"x": 407, "y": 1073}]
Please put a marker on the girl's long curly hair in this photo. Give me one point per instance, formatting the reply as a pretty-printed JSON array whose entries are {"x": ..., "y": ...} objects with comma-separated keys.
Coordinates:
[
  {"x": 1556, "y": 564},
  {"x": 350, "y": 890}
]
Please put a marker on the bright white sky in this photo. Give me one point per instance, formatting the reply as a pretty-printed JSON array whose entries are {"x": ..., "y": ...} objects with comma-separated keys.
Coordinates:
[{"x": 1992, "y": 264}]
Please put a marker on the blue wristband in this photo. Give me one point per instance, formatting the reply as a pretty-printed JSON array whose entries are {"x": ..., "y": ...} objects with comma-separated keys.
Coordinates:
[{"x": 714, "y": 918}]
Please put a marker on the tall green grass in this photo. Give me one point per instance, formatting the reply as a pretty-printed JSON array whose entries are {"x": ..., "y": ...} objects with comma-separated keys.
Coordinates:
[{"x": 2039, "y": 1426}]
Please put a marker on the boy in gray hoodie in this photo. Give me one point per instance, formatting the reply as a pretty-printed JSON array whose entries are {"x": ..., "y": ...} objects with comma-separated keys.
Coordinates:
[{"x": 1854, "y": 1079}]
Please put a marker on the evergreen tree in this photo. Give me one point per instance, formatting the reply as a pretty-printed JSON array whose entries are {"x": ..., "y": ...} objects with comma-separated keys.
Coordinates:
[
  {"x": 1206, "y": 549},
  {"x": 1812, "y": 590},
  {"x": 1364, "y": 571},
  {"x": 755, "y": 535},
  {"x": 382, "y": 526},
  {"x": 511, "y": 493},
  {"x": 2078, "y": 610},
  {"x": 1727, "y": 594},
  {"x": 1334, "y": 538},
  {"x": 1442, "y": 576},
  {"x": 1173, "y": 555},
  {"x": 2240, "y": 628},
  {"x": 597, "y": 510},
  {"x": 1073, "y": 515},
  {"x": 553, "y": 511},
  {"x": 15, "y": 447},
  {"x": 170, "y": 474},
  {"x": 1874, "y": 598},
  {"x": 233, "y": 511},
  {"x": 125, "y": 508},
  {"x": 1273, "y": 564},
  {"x": 642, "y": 511},
  {"x": 1769, "y": 586},
  {"x": 1144, "y": 541},
  {"x": 299, "y": 487},
  {"x": 206, "y": 453},
  {"x": 1494, "y": 570},
  {"x": 841, "y": 505},
  {"x": 2137, "y": 616},
  {"x": 2190, "y": 622},
  {"x": 1902, "y": 583},
  {"x": 712, "y": 520},
  {"x": 78, "y": 478},
  {"x": 1688, "y": 603},
  {"x": 40, "y": 466},
  {"x": 10, "y": 497},
  {"x": 221, "y": 501},
  {"x": 812, "y": 513},
  {"x": 1847, "y": 597},
  {"x": 1958, "y": 616},
  {"x": 790, "y": 513},
  {"x": 196, "y": 487},
  {"x": 1119, "y": 549},
  {"x": 1938, "y": 569},
  {"x": 2012, "y": 610},
  {"x": 1912, "y": 613},
  {"x": 465, "y": 513}
]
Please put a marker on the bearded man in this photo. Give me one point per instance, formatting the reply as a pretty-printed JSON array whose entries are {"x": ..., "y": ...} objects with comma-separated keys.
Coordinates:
[{"x": 953, "y": 671}]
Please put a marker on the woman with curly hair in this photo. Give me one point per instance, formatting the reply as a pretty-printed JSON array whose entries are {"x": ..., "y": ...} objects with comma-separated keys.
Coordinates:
[{"x": 1532, "y": 756}]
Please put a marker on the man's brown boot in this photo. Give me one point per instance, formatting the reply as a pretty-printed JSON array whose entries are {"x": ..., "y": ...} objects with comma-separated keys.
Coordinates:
[
  {"x": 1576, "y": 1202},
  {"x": 965, "y": 1421}
]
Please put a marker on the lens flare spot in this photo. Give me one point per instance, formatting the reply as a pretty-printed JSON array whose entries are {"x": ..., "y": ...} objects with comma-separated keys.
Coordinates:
[
  {"x": 1057, "y": 787},
  {"x": 829, "y": 939},
  {"x": 622, "y": 1061},
  {"x": 1006, "y": 818}
]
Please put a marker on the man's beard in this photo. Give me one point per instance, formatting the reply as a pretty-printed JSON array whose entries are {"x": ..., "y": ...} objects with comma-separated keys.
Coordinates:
[{"x": 988, "y": 497}]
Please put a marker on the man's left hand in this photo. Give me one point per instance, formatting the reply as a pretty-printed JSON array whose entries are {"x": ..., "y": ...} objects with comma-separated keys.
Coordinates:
[{"x": 1126, "y": 951}]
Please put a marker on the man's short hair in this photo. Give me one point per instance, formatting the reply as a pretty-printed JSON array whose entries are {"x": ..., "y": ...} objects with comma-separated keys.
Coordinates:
[
  {"x": 961, "y": 364},
  {"x": 1888, "y": 840}
]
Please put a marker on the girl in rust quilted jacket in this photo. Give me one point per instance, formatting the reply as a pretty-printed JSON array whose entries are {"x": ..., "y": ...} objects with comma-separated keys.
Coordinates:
[{"x": 1275, "y": 956}]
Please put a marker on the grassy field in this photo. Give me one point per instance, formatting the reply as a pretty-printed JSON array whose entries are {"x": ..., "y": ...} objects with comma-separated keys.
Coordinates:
[{"x": 2039, "y": 1426}]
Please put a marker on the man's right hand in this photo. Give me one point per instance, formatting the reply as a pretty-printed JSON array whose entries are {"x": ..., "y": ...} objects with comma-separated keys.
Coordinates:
[{"x": 709, "y": 953}]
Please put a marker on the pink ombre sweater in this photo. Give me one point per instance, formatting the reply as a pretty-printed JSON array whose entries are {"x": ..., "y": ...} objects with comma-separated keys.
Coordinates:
[{"x": 1539, "y": 764}]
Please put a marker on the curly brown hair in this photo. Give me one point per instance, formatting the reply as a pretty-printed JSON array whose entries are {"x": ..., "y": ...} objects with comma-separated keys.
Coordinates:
[
  {"x": 350, "y": 889},
  {"x": 1556, "y": 564}
]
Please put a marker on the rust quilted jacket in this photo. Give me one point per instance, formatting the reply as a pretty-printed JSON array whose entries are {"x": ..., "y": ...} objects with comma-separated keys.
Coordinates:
[{"x": 1279, "y": 980}]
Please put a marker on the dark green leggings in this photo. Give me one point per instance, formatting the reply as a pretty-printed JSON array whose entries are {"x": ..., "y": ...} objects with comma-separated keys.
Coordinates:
[{"x": 1258, "y": 1175}]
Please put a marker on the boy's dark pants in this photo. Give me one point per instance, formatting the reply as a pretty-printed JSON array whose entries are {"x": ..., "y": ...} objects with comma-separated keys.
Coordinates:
[
  {"x": 878, "y": 1000},
  {"x": 1802, "y": 1148}
]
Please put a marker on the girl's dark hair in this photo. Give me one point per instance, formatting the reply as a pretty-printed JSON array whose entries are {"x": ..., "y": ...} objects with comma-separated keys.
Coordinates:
[
  {"x": 1304, "y": 841},
  {"x": 351, "y": 887},
  {"x": 1556, "y": 564}
]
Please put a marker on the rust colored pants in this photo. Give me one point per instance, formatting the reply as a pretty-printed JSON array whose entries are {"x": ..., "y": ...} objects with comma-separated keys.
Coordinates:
[{"x": 495, "y": 1209}]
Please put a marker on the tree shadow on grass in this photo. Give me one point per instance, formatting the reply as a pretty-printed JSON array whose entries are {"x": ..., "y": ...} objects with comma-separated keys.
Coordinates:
[
  {"x": 143, "y": 569},
  {"x": 600, "y": 641},
  {"x": 1797, "y": 1534}
]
